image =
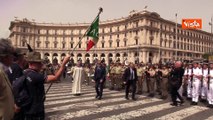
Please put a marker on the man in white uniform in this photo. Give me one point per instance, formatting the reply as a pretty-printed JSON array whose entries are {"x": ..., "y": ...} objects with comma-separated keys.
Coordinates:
[
  {"x": 78, "y": 77},
  {"x": 196, "y": 74},
  {"x": 187, "y": 74},
  {"x": 204, "y": 82},
  {"x": 210, "y": 86}
]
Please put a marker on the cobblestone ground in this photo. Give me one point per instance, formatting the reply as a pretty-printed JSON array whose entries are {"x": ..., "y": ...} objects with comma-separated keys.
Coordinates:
[{"x": 62, "y": 105}]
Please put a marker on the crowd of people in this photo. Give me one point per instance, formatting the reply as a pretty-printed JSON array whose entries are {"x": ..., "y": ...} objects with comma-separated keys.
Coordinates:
[{"x": 192, "y": 80}]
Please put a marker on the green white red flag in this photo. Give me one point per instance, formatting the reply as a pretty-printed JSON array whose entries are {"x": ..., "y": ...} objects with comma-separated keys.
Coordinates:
[{"x": 93, "y": 33}]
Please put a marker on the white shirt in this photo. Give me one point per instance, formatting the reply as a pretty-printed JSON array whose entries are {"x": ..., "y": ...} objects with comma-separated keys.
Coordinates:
[{"x": 198, "y": 72}]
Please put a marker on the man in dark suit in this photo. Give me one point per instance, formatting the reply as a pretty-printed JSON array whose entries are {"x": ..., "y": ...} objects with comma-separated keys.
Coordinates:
[
  {"x": 176, "y": 82},
  {"x": 99, "y": 77},
  {"x": 130, "y": 78}
]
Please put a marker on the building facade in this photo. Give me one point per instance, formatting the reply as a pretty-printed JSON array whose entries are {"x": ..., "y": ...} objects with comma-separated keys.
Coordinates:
[{"x": 140, "y": 37}]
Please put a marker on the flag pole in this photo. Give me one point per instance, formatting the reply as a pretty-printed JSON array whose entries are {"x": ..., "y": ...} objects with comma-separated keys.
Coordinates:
[{"x": 100, "y": 11}]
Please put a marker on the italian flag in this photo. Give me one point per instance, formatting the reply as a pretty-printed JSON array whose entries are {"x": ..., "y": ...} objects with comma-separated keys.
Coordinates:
[{"x": 93, "y": 33}]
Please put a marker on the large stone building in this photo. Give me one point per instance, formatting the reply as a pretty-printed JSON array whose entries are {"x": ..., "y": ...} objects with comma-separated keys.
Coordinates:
[{"x": 142, "y": 36}]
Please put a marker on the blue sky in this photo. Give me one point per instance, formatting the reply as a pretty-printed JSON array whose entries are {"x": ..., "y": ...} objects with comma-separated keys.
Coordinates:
[{"x": 72, "y": 11}]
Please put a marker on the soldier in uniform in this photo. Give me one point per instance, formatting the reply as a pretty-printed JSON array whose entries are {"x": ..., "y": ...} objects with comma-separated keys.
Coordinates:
[
  {"x": 140, "y": 79},
  {"x": 119, "y": 74},
  {"x": 210, "y": 86},
  {"x": 164, "y": 82},
  {"x": 112, "y": 77},
  {"x": 204, "y": 86},
  {"x": 196, "y": 78},
  {"x": 152, "y": 81},
  {"x": 36, "y": 85},
  {"x": 188, "y": 78},
  {"x": 16, "y": 71},
  {"x": 158, "y": 78},
  {"x": 6, "y": 94},
  {"x": 147, "y": 78}
]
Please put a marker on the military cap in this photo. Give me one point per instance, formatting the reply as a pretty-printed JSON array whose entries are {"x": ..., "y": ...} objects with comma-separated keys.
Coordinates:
[
  {"x": 18, "y": 52},
  {"x": 34, "y": 57}
]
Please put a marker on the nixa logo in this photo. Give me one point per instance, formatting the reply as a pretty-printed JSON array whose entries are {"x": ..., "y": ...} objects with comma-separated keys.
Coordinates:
[{"x": 192, "y": 23}]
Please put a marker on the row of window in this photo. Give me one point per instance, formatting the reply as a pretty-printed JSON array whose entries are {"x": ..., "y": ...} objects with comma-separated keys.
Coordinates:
[{"x": 166, "y": 44}]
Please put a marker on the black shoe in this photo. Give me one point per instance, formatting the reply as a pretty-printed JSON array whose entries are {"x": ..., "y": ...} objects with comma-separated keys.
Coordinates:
[
  {"x": 127, "y": 98},
  {"x": 210, "y": 106},
  {"x": 151, "y": 95},
  {"x": 96, "y": 96},
  {"x": 99, "y": 98},
  {"x": 163, "y": 97},
  {"x": 174, "y": 104},
  {"x": 134, "y": 99},
  {"x": 194, "y": 103},
  {"x": 189, "y": 99},
  {"x": 203, "y": 100},
  {"x": 181, "y": 102}
]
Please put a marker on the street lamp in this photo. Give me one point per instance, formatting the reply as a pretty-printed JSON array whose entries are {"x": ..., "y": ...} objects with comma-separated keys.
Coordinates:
[
  {"x": 211, "y": 24},
  {"x": 176, "y": 37},
  {"x": 159, "y": 51}
]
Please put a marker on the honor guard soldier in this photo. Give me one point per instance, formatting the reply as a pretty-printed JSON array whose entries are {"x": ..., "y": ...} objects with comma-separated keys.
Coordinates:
[
  {"x": 204, "y": 86},
  {"x": 210, "y": 86},
  {"x": 188, "y": 78},
  {"x": 152, "y": 80},
  {"x": 196, "y": 80}
]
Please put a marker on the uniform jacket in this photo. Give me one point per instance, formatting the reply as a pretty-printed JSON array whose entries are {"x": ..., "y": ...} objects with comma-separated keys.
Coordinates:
[
  {"x": 100, "y": 73},
  {"x": 176, "y": 76},
  {"x": 6, "y": 97}
]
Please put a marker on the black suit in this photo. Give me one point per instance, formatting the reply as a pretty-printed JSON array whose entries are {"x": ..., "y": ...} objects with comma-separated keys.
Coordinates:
[
  {"x": 130, "y": 78},
  {"x": 175, "y": 83},
  {"x": 99, "y": 75}
]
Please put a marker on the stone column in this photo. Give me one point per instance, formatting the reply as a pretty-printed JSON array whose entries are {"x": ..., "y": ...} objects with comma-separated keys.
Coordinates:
[
  {"x": 83, "y": 58},
  {"x": 114, "y": 57},
  {"x": 107, "y": 58},
  {"x": 59, "y": 58},
  {"x": 51, "y": 57},
  {"x": 122, "y": 57},
  {"x": 147, "y": 37},
  {"x": 91, "y": 58},
  {"x": 42, "y": 55},
  {"x": 147, "y": 56},
  {"x": 99, "y": 56},
  {"x": 132, "y": 59},
  {"x": 75, "y": 57},
  {"x": 144, "y": 56}
]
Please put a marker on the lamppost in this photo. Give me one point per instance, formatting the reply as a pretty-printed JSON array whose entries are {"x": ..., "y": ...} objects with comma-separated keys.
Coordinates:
[
  {"x": 211, "y": 24},
  {"x": 159, "y": 50},
  {"x": 176, "y": 37}
]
